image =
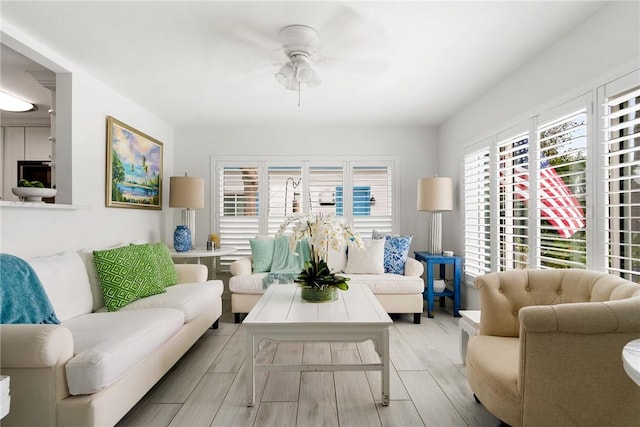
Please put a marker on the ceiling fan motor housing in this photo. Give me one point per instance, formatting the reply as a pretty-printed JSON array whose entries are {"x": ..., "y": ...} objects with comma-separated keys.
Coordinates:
[{"x": 297, "y": 39}]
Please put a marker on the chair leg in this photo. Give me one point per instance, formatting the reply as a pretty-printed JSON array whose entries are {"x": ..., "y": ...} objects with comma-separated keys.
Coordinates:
[
  {"x": 417, "y": 318},
  {"x": 215, "y": 324},
  {"x": 236, "y": 317}
]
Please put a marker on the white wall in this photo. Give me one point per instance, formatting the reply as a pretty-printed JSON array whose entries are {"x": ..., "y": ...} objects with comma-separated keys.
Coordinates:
[
  {"x": 414, "y": 148},
  {"x": 30, "y": 231},
  {"x": 605, "y": 46}
]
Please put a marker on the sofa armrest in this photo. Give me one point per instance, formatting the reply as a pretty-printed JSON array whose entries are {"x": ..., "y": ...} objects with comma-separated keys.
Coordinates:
[
  {"x": 241, "y": 267},
  {"x": 574, "y": 350},
  {"x": 192, "y": 273},
  {"x": 413, "y": 268},
  {"x": 34, "y": 346}
]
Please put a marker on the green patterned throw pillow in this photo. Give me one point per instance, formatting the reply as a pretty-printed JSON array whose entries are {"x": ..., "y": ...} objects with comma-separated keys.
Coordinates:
[
  {"x": 126, "y": 274},
  {"x": 166, "y": 269}
]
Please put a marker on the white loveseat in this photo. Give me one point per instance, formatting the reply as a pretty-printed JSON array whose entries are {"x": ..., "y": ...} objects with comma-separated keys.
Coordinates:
[
  {"x": 93, "y": 367},
  {"x": 397, "y": 293}
]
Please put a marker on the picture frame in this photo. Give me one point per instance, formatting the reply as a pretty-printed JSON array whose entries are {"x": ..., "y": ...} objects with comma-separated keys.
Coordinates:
[{"x": 134, "y": 168}]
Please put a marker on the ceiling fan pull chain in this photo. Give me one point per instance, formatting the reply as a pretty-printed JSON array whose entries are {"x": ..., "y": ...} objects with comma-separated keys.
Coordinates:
[{"x": 298, "y": 93}]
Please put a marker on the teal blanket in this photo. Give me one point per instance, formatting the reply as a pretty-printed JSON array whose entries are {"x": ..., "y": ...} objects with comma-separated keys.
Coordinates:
[
  {"x": 22, "y": 296},
  {"x": 286, "y": 265}
]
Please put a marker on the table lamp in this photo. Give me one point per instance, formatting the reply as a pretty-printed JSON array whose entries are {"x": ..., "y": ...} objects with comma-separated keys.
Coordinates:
[
  {"x": 187, "y": 192},
  {"x": 435, "y": 195}
]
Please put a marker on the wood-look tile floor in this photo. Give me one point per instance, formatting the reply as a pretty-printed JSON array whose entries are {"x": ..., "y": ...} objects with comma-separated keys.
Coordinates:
[{"x": 208, "y": 386}]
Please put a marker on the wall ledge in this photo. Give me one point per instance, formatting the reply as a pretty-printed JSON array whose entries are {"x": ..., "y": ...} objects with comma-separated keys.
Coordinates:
[{"x": 31, "y": 205}]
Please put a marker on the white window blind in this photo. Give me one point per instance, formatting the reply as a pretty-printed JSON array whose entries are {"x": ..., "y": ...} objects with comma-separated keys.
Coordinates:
[
  {"x": 477, "y": 211},
  {"x": 285, "y": 189},
  {"x": 254, "y": 197},
  {"x": 513, "y": 195},
  {"x": 372, "y": 193},
  {"x": 238, "y": 207},
  {"x": 622, "y": 183},
  {"x": 325, "y": 182},
  {"x": 561, "y": 192}
]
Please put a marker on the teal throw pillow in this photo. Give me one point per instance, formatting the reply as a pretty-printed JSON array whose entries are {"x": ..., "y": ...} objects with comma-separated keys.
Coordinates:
[
  {"x": 127, "y": 274},
  {"x": 166, "y": 269},
  {"x": 261, "y": 254}
]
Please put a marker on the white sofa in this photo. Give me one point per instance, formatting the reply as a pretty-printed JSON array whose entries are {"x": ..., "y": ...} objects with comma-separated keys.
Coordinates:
[
  {"x": 397, "y": 293},
  {"x": 93, "y": 367}
]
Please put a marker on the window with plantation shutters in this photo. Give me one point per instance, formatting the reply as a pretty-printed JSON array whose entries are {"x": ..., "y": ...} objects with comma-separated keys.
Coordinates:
[
  {"x": 325, "y": 182},
  {"x": 238, "y": 206},
  {"x": 513, "y": 194},
  {"x": 372, "y": 195},
  {"x": 255, "y": 197},
  {"x": 621, "y": 173},
  {"x": 477, "y": 212},
  {"x": 284, "y": 188},
  {"x": 561, "y": 192}
]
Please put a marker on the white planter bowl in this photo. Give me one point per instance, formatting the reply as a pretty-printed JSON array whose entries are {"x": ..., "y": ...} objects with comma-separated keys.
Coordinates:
[{"x": 33, "y": 194}]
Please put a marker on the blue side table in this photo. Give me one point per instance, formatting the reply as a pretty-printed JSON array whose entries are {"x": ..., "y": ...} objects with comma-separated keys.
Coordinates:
[{"x": 429, "y": 294}]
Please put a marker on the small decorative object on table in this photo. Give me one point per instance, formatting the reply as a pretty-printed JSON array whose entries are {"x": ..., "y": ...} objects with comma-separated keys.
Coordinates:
[
  {"x": 182, "y": 238},
  {"x": 322, "y": 231},
  {"x": 214, "y": 238}
]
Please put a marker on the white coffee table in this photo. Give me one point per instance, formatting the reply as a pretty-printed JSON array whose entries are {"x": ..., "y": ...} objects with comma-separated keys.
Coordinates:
[{"x": 281, "y": 315}]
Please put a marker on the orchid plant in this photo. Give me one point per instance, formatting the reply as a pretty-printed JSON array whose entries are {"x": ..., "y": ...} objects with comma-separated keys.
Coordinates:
[{"x": 323, "y": 232}]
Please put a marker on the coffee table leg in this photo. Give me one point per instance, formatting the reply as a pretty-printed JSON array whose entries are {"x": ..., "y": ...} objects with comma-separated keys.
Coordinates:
[
  {"x": 386, "y": 381},
  {"x": 249, "y": 361}
]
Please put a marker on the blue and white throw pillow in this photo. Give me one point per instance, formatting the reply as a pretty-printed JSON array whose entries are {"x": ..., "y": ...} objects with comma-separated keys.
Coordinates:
[{"x": 396, "y": 251}]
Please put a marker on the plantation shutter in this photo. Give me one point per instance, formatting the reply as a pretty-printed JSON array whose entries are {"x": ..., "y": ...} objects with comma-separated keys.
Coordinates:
[
  {"x": 477, "y": 213},
  {"x": 325, "y": 189},
  {"x": 372, "y": 207},
  {"x": 622, "y": 182},
  {"x": 285, "y": 189},
  {"x": 561, "y": 191},
  {"x": 513, "y": 195},
  {"x": 238, "y": 207}
]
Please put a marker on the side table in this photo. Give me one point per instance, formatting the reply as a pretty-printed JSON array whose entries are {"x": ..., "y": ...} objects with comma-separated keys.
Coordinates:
[
  {"x": 429, "y": 293},
  {"x": 469, "y": 325},
  {"x": 199, "y": 253}
]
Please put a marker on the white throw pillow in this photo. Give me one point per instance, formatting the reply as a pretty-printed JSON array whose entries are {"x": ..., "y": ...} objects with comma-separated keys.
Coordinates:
[
  {"x": 368, "y": 260},
  {"x": 66, "y": 283},
  {"x": 337, "y": 260}
]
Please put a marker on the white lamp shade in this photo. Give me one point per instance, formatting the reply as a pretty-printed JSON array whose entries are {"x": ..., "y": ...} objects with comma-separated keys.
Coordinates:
[
  {"x": 186, "y": 192},
  {"x": 435, "y": 194}
]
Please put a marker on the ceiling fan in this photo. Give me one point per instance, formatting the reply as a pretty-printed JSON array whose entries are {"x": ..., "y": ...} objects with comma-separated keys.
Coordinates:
[{"x": 299, "y": 43}]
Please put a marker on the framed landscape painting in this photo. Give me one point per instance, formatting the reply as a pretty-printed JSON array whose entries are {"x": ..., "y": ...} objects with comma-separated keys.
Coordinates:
[{"x": 134, "y": 168}]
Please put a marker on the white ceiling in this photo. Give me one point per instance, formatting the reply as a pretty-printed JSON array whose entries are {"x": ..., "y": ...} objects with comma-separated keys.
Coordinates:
[{"x": 198, "y": 63}]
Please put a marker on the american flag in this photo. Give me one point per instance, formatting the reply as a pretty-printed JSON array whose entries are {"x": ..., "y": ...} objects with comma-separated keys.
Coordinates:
[{"x": 559, "y": 205}]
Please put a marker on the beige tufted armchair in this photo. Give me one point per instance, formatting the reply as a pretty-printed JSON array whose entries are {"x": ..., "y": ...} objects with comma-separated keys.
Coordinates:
[{"x": 549, "y": 348}]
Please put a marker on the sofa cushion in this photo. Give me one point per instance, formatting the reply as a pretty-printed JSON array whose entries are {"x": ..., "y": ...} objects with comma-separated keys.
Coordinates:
[
  {"x": 126, "y": 274},
  {"x": 166, "y": 270},
  {"x": 64, "y": 275},
  {"x": 389, "y": 283},
  {"x": 261, "y": 254},
  {"x": 109, "y": 345},
  {"x": 366, "y": 260},
  {"x": 190, "y": 298},
  {"x": 378, "y": 283},
  {"x": 251, "y": 284}
]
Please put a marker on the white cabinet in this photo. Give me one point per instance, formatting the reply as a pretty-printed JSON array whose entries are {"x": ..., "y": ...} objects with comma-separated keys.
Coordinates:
[{"x": 22, "y": 143}]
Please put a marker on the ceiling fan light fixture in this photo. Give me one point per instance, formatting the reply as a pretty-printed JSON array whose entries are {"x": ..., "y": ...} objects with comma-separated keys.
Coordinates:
[{"x": 285, "y": 74}]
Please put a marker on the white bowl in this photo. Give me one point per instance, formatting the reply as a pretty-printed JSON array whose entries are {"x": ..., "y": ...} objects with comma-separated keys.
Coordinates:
[{"x": 33, "y": 194}]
